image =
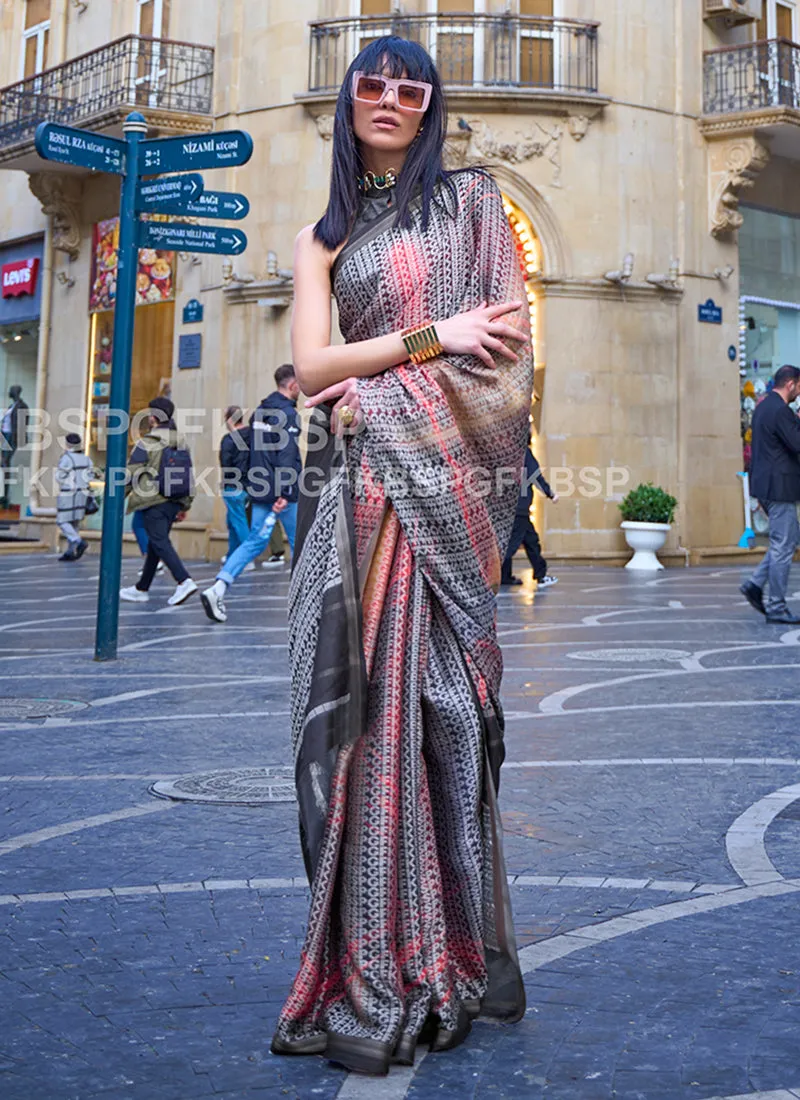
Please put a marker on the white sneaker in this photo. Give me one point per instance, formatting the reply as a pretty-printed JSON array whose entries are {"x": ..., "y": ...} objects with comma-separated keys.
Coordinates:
[
  {"x": 270, "y": 563},
  {"x": 133, "y": 595},
  {"x": 160, "y": 569},
  {"x": 250, "y": 567},
  {"x": 182, "y": 593},
  {"x": 214, "y": 604},
  {"x": 545, "y": 582}
]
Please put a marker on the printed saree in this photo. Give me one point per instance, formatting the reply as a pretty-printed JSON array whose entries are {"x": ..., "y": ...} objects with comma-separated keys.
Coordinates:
[{"x": 396, "y": 668}]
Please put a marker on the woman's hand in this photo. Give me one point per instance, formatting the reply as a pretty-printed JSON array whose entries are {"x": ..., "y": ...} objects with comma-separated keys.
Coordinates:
[
  {"x": 480, "y": 332},
  {"x": 347, "y": 392}
]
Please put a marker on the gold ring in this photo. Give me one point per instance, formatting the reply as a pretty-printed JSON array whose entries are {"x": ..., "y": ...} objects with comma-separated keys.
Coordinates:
[{"x": 346, "y": 415}]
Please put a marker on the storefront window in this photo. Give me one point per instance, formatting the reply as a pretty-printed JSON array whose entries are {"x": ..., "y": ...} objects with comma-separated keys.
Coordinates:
[
  {"x": 769, "y": 309},
  {"x": 152, "y": 348}
]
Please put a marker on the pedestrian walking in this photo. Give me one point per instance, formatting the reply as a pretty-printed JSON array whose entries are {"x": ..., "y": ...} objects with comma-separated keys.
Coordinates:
[
  {"x": 160, "y": 487},
  {"x": 775, "y": 483},
  {"x": 285, "y": 399},
  {"x": 273, "y": 476},
  {"x": 393, "y": 649},
  {"x": 523, "y": 533},
  {"x": 234, "y": 461},
  {"x": 13, "y": 435},
  {"x": 73, "y": 474}
]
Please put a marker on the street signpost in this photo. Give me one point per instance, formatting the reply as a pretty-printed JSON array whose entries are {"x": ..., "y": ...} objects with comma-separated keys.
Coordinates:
[
  {"x": 173, "y": 237},
  {"x": 68, "y": 145},
  {"x": 132, "y": 159},
  {"x": 209, "y": 204},
  {"x": 173, "y": 191}
]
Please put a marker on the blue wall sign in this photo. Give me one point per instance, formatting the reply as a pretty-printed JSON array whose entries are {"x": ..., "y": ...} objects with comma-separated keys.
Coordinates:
[
  {"x": 192, "y": 312},
  {"x": 190, "y": 351},
  {"x": 710, "y": 312},
  {"x": 190, "y": 154},
  {"x": 732, "y": 353},
  {"x": 81, "y": 147}
]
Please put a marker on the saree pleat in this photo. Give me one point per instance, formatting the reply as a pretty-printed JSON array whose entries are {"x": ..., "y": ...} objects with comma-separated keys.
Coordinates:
[{"x": 395, "y": 663}]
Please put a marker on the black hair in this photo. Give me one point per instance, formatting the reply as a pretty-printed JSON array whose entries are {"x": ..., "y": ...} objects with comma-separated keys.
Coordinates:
[
  {"x": 284, "y": 374},
  {"x": 784, "y": 375},
  {"x": 423, "y": 168},
  {"x": 163, "y": 410}
]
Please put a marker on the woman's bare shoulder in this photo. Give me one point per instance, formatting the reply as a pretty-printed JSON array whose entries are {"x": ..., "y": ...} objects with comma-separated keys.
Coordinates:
[{"x": 308, "y": 247}]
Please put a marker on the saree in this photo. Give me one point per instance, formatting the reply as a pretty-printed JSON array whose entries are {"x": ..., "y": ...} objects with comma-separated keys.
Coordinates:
[{"x": 396, "y": 720}]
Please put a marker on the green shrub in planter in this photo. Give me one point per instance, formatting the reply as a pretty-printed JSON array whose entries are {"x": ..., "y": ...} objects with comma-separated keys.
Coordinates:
[{"x": 648, "y": 504}]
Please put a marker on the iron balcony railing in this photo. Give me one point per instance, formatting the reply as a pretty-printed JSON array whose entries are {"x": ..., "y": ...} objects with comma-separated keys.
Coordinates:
[
  {"x": 132, "y": 72},
  {"x": 749, "y": 77},
  {"x": 470, "y": 51}
]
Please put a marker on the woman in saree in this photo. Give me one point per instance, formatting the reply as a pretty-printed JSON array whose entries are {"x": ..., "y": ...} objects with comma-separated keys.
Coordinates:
[{"x": 415, "y": 447}]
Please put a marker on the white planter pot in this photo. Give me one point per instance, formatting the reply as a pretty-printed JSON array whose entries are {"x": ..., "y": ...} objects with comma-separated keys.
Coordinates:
[{"x": 645, "y": 539}]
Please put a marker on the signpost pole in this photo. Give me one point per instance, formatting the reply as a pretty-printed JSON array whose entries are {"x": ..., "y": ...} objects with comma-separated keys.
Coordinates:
[{"x": 105, "y": 648}]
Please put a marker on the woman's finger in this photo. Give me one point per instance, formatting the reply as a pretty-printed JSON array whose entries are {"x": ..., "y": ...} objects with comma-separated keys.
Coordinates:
[
  {"x": 506, "y": 332},
  {"x": 483, "y": 354},
  {"x": 503, "y": 307},
  {"x": 336, "y": 390},
  {"x": 500, "y": 348}
]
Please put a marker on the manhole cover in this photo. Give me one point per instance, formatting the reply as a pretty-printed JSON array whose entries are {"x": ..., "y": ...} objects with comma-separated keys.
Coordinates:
[
  {"x": 11, "y": 707},
  {"x": 245, "y": 786},
  {"x": 630, "y": 656}
]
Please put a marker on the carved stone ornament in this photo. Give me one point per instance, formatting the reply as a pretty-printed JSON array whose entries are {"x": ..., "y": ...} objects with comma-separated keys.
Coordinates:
[
  {"x": 733, "y": 167},
  {"x": 578, "y": 126},
  {"x": 60, "y": 196},
  {"x": 479, "y": 143},
  {"x": 324, "y": 126}
]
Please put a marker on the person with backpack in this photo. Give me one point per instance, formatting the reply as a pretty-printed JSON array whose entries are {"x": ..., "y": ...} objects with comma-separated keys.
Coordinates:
[
  {"x": 160, "y": 487},
  {"x": 73, "y": 474},
  {"x": 234, "y": 461},
  {"x": 273, "y": 486}
]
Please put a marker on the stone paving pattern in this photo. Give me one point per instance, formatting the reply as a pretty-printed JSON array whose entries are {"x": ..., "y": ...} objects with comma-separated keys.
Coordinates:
[{"x": 625, "y": 773}]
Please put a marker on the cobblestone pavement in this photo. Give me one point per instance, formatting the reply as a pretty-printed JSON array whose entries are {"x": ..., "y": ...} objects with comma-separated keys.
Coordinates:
[{"x": 651, "y": 803}]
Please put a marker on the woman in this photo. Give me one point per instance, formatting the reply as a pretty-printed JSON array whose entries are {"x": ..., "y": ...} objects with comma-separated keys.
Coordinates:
[
  {"x": 73, "y": 474},
  {"x": 395, "y": 664}
]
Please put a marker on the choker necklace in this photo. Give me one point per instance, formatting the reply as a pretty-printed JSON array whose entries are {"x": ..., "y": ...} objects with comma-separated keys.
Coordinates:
[{"x": 370, "y": 181}]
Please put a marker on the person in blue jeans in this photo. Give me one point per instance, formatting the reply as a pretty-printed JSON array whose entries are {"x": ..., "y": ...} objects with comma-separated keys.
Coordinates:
[
  {"x": 272, "y": 482},
  {"x": 234, "y": 460}
]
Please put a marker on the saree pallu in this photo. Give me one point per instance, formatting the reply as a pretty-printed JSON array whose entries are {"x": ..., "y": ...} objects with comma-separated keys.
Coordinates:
[{"x": 396, "y": 668}]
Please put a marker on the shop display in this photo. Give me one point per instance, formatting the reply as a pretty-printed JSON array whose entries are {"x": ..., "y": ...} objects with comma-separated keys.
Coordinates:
[{"x": 155, "y": 281}]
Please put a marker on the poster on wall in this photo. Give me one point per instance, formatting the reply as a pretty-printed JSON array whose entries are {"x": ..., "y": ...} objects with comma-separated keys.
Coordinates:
[{"x": 155, "y": 281}]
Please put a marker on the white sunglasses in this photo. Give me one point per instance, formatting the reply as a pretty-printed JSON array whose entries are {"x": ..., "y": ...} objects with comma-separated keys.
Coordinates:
[{"x": 409, "y": 95}]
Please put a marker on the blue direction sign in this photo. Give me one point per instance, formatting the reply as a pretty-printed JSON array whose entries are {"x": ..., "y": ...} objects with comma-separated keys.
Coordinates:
[
  {"x": 186, "y": 154},
  {"x": 160, "y": 196},
  {"x": 174, "y": 237},
  {"x": 211, "y": 204},
  {"x": 80, "y": 147}
]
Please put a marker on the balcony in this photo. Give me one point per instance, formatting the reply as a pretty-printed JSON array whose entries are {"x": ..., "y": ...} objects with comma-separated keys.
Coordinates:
[
  {"x": 170, "y": 82},
  {"x": 754, "y": 90},
  {"x": 487, "y": 62}
]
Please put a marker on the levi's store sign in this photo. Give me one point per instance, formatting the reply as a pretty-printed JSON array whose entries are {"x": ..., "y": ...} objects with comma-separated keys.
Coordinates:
[{"x": 20, "y": 277}]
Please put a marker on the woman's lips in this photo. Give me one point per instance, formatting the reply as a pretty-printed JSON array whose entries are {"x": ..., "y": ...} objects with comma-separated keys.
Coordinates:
[{"x": 385, "y": 123}]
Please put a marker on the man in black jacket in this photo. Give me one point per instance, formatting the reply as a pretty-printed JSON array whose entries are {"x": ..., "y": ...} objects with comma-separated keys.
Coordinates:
[
  {"x": 13, "y": 434},
  {"x": 272, "y": 484},
  {"x": 524, "y": 533},
  {"x": 775, "y": 482}
]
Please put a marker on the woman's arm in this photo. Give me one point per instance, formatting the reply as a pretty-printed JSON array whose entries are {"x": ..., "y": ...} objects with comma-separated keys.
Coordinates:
[{"x": 319, "y": 365}]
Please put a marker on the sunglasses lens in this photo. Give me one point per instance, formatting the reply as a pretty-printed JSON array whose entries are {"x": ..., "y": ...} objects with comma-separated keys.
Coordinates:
[
  {"x": 370, "y": 88},
  {"x": 409, "y": 95}
]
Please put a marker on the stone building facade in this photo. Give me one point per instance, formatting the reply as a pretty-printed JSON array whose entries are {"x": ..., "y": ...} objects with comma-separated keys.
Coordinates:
[{"x": 634, "y": 144}]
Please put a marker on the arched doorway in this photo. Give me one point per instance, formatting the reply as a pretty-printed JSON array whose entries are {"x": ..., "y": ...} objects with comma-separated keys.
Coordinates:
[{"x": 529, "y": 250}]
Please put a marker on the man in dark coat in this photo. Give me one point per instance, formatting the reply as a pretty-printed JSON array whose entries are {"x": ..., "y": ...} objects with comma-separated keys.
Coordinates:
[
  {"x": 272, "y": 484},
  {"x": 524, "y": 533},
  {"x": 775, "y": 483},
  {"x": 13, "y": 434}
]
